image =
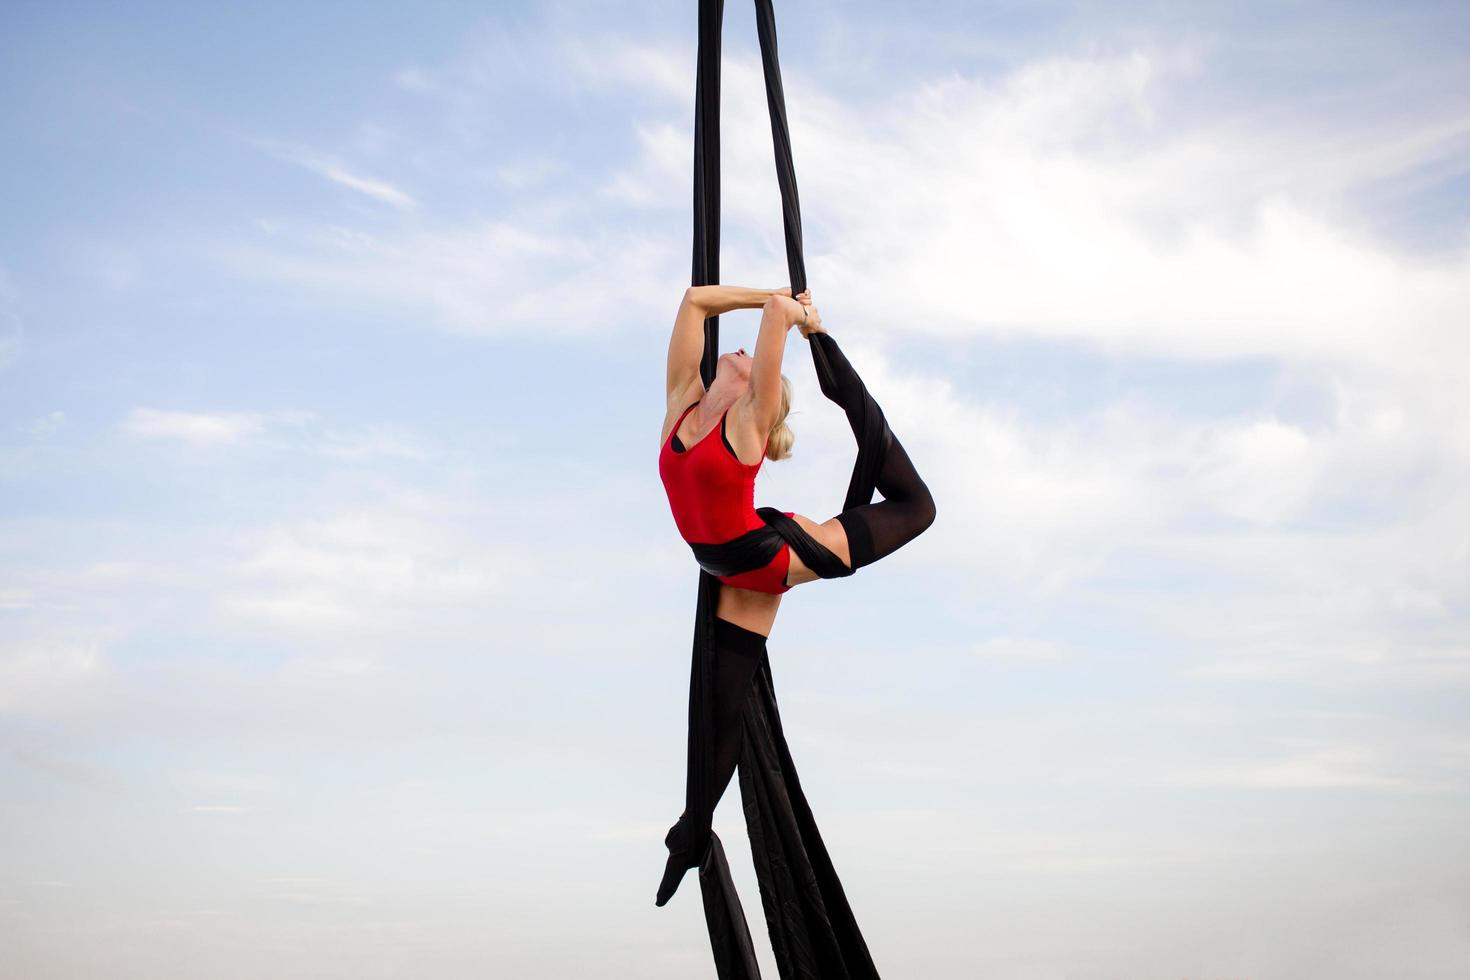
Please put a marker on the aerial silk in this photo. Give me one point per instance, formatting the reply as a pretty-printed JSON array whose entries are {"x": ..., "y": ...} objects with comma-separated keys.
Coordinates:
[{"x": 813, "y": 933}]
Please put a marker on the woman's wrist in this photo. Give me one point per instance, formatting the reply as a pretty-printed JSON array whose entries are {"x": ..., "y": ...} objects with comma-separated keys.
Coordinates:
[{"x": 795, "y": 311}]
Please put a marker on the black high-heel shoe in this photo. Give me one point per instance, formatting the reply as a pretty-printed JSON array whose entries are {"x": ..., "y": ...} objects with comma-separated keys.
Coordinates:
[{"x": 682, "y": 857}]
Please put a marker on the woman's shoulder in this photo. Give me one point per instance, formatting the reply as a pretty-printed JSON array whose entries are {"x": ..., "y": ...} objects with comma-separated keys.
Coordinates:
[
  {"x": 743, "y": 413},
  {"x": 742, "y": 427},
  {"x": 678, "y": 400}
]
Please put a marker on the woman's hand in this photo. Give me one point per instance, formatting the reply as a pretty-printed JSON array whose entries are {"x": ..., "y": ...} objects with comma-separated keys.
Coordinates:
[
  {"x": 795, "y": 312},
  {"x": 803, "y": 314},
  {"x": 813, "y": 323}
]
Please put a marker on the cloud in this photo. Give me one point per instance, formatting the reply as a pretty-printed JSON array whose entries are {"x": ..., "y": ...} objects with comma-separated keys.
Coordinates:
[
  {"x": 286, "y": 431},
  {"x": 357, "y": 568},
  {"x": 1052, "y": 202},
  {"x": 1081, "y": 203},
  {"x": 1260, "y": 547},
  {"x": 1077, "y": 203},
  {"x": 337, "y": 172},
  {"x": 1070, "y": 198},
  {"x": 377, "y": 189},
  {"x": 495, "y": 278},
  {"x": 195, "y": 428}
]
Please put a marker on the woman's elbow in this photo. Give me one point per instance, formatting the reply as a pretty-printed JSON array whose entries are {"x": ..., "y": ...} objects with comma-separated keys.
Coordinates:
[{"x": 697, "y": 296}]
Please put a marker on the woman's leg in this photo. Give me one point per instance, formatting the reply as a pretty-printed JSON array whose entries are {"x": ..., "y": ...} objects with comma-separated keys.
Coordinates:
[
  {"x": 737, "y": 656},
  {"x": 874, "y": 530},
  {"x": 738, "y": 653}
]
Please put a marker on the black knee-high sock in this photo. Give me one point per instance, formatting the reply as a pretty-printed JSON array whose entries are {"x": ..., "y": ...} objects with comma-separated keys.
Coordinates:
[
  {"x": 874, "y": 530},
  {"x": 737, "y": 656}
]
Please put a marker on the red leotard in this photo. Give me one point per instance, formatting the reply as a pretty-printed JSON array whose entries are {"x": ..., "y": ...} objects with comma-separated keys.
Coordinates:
[{"x": 712, "y": 495}]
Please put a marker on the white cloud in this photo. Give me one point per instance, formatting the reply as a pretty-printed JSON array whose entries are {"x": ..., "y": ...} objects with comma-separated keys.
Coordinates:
[
  {"x": 286, "y": 430},
  {"x": 1048, "y": 204},
  {"x": 1248, "y": 548},
  {"x": 195, "y": 428},
  {"x": 1051, "y": 202},
  {"x": 493, "y": 279},
  {"x": 377, "y": 189},
  {"x": 359, "y": 567},
  {"x": 1257, "y": 470},
  {"x": 617, "y": 61},
  {"x": 337, "y": 172}
]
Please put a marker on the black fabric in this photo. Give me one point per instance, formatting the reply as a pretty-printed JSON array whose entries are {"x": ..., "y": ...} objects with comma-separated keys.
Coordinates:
[
  {"x": 874, "y": 530},
  {"x": 736, "y": 654},
  {"x": 758, "y": 546},
  {"x": 755, "y": 548},
  {"x": 906, "y": 511},
  {"x": 813, "y": 932}
]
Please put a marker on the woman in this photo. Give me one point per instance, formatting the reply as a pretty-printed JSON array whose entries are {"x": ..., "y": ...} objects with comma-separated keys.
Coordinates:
[{"x": 710, "y": 482}]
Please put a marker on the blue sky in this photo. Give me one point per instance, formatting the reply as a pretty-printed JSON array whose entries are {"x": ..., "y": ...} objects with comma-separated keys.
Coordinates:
[{"x": 343, "y": 625}]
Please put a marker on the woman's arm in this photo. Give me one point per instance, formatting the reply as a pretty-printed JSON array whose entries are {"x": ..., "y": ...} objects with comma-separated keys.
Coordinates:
[
  {"x": 719, "y": 299},
  {"x": 781, "y": 313},
  {"x": 686, "y": 346}
]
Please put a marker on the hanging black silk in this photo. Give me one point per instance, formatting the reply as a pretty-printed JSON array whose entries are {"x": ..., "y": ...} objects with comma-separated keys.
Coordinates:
[{"x": 813, "y": 932}]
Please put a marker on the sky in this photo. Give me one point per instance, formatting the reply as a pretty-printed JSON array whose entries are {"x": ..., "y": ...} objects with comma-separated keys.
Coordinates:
[{"x": 344, "y": 627}]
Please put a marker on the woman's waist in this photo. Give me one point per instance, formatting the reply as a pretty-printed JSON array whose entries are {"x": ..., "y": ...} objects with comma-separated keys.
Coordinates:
[
  {"x": 702, "y": 526},
  {"x": 711, "y": 512}
]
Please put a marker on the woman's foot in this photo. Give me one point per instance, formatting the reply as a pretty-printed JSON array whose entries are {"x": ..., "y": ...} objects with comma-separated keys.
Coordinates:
[{"x": 681, "y": 859}]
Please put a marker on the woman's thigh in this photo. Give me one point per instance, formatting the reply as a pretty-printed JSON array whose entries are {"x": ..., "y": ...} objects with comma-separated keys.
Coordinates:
[
  {"x": 831, "y": 534},
  {"x": 744, "y": 607}
]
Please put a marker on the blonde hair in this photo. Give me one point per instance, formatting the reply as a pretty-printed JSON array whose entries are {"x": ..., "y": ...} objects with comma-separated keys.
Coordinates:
[{"x": 782, "y": 438}]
